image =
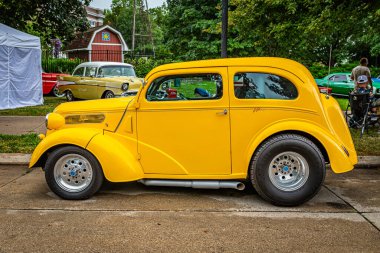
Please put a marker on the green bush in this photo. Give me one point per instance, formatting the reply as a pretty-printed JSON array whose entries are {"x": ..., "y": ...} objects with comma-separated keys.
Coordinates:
[{"x": 52, "y": 65}]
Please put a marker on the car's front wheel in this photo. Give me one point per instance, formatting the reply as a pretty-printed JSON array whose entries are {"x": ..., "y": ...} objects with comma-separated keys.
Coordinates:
[
  {"x": 73, "y": 173},
  {"x": 287, "y": 170}
]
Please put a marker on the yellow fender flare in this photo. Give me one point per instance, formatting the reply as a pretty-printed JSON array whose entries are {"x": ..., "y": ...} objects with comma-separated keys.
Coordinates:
[
  {"x": 118, "y": 162},
  {"x": 338, "y": 158},
  {"x": 71, "y": 136}
]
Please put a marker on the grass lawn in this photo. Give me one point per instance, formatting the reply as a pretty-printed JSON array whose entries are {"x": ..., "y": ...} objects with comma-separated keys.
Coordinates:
[
  {"x": 18, "y": 143},
  {"x": 343, "y": 102},
  {"x": 40, "y": 110},
  {"x": 369, "y": 144}
]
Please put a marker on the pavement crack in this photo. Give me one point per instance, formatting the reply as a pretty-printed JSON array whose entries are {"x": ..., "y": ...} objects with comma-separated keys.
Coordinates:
[
  {"x": 14, "y": 179},
  {"x": 356, "y": 210}
]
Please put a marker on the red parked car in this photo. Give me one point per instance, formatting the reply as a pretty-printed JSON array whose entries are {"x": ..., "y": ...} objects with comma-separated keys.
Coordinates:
[{"x": 49, "y": 82}]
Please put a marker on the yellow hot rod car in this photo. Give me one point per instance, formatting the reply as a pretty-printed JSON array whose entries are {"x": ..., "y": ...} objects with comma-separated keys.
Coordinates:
[
  {"x": 203, "y": 124},
  {"x": 93, "y": 80}
]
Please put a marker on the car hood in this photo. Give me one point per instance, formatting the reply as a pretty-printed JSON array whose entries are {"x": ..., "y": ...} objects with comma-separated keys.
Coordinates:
[{"x": 93, "y": 106}]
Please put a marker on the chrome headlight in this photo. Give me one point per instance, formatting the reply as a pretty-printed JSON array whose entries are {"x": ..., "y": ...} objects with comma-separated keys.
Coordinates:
[
  {"x": 54, "y": 121},
  {"x": 46, "y": 119},
  {"x": 125, "y": 86}
]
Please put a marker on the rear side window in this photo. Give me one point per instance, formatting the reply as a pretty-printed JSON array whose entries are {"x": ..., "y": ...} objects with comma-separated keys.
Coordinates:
[
  {"x": 78, "y": 72},
  {"x": 250, "y": 85}
]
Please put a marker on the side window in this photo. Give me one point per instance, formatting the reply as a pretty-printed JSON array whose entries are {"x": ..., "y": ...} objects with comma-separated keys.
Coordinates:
[
  {"x": 263, "y": 86},
  {"x": 186, "y": 87},
  {"x": 331, "y": 78},
  {"x": 90, "y": 71},
  {"x": 78, "y": 72}
]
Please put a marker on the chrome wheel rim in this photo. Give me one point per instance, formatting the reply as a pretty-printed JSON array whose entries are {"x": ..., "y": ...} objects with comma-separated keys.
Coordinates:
[
  {"x": 109, "y": 95},
  {"x": 73, "y": 173},
  {"x": 288, "y": 171}
]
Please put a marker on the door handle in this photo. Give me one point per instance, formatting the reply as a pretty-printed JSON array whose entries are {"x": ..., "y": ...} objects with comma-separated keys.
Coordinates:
[{"x": 224, "y": 112}]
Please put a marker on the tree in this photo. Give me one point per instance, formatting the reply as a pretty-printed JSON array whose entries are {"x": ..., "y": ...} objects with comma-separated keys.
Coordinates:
[
  {"x": 46, "y": 18},
  {"x": 193, "y": 29},
  {"x": 121, "y": 18},
  {"x": 305, "y": 30}
]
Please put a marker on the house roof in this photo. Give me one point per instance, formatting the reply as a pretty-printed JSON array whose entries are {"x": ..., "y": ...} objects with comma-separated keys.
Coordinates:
[{"x": 83, "y": 40}]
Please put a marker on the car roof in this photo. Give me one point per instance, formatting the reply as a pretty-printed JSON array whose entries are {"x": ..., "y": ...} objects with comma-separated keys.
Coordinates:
[
  {"x": 102, "y": 63},
  {"x": 274, "y": 62}
]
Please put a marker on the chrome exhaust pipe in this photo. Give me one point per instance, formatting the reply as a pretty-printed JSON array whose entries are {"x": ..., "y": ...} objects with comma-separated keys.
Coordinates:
[{"x": 197, "y": 184}]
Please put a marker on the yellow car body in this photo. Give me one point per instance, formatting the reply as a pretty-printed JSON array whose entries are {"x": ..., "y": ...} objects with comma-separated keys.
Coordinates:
[
  {"x": 94, "y": 80},
  {"x": 214, "y": 138}
]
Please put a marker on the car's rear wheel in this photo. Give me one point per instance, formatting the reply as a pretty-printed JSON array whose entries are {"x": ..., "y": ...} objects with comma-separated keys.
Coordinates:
[
  {"x": 287, "y": 170},
  {"x": 108, "y": 94},
  {"x": 69, "y": 96},
  {"x": 73, "y": 173}
]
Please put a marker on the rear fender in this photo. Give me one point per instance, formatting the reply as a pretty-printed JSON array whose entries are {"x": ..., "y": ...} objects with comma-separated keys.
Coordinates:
[{"x": 339, "y": 161}]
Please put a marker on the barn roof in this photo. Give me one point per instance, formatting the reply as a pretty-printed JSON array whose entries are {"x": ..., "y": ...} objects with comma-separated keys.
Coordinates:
[{"x": 83, "y": 40}]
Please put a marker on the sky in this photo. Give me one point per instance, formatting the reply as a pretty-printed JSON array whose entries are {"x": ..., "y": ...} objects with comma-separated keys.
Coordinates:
[{"x": 105, "y": 4}]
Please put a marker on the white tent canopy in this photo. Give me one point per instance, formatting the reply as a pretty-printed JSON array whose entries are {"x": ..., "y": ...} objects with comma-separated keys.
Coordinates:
[{"x": 20, "y": 69}]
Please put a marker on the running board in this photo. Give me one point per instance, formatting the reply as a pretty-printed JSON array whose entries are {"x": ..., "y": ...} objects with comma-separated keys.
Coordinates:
[{"x": 198, "y": 184}]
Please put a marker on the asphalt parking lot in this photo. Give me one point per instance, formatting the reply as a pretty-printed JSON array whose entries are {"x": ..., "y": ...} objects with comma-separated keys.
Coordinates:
[{"x": 130, "y": 217}]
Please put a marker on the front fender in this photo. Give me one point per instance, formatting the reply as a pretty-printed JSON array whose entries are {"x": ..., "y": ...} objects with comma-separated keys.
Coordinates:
[
  {"x": 118, "y": 157},
  {"x": 339, "y": 161},
  {"x": 70, "y": 136}
]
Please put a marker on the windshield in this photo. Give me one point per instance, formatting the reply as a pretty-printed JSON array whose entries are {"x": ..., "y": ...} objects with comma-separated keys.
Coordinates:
[{"x": 108, "y": 71}]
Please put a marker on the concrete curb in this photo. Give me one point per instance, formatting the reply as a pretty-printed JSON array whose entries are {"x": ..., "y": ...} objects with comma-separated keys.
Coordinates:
[
  {"x": 23, "y": 159},
  {"x": 14, "y": 159}
]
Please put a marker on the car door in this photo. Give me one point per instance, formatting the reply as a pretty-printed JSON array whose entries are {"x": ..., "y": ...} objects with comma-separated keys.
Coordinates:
[{"x": 183, "y": 123}]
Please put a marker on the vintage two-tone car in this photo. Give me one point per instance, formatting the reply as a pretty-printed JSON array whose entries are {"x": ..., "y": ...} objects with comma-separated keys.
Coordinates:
[
  {"x": 94, "y": 80},
  {"x": 203, "y": 124}
]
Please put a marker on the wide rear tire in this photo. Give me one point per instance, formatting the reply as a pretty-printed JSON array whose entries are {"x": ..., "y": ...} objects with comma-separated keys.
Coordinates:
[{"x": 287, "y": 170}]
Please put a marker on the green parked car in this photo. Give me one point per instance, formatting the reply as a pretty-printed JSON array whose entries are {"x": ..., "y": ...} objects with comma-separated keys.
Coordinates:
[{"x": 341, "y": 84}]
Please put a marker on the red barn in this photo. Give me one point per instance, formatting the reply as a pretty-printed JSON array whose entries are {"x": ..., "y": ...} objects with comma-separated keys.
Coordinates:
[{"x": 102, "y": 43}]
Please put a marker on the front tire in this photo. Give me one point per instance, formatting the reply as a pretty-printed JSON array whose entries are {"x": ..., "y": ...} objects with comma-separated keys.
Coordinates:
[
  {"x": 287, "y": 170},
  {"x": 73, "y": 173}
]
